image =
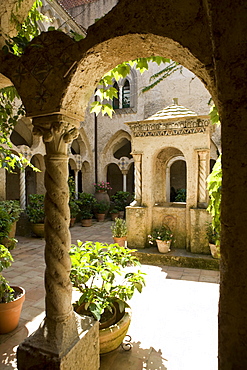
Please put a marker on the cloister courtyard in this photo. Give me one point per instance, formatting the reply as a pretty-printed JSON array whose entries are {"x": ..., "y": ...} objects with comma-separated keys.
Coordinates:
[{"x": 174, "y": 320}]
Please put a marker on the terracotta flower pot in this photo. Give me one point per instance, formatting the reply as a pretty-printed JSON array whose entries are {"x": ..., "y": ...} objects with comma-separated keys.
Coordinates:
[
  {"x": 72, "y": 222},
  {"x": 214, "y": 251},
  {"x": 10, "y": 312},
  {"x": 114, "y": 215},
  {"x": 100, "y": 217},
  {"x": 163, "y": 245},
  {"x": 86, "y": 222},
  {"x": 122, "y": 242},
  {"x": 110, "y": 338}
]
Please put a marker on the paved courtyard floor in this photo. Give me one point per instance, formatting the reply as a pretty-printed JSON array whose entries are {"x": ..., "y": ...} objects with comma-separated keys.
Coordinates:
[{"x": 174, "y": 319}]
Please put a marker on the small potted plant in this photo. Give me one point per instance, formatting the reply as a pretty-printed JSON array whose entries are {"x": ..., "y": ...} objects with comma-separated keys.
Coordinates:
[
  {"x": 5, "y": 227},
  {"x": 74, "y": 211},
  {"x": 114, "y": 213},
  {"x": 96, "y": 271},
  {"x": 102, "y": 186},
  {"x": 100, "y": 209},
  {"x": 119, "y": 232},
  {"x": 14, "y": 210},
  {"x": 121, "y": 200},
  {"x": 11, "y": 297},
  {"x": 213, "y": 240},
  {"x": 86, "y": 218},
  {"x": 36, "y": 213},
  {"x": 163, "y": 237}
]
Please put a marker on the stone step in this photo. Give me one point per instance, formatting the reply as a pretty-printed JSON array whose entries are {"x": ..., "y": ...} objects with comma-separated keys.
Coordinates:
[{"x": 177, "y": 257}]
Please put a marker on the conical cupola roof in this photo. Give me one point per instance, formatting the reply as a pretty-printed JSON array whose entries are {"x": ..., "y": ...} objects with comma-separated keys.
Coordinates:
[{"x": 172, "y": 112}]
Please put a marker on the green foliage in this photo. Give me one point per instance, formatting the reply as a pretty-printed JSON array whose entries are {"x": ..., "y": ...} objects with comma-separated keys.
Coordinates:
[
  {"x": 96, "y": 272},
  {"x": 214, "y": 115},
  {"x": 121, "y": 200},
  {"x": 119, "y": 228},
  {"x": 36, "y": 209},
  {"x": 6, "y": 292},
  {"x": 86, "y": 202},
  {"x": 107, "y": 92},
  {"x": 5, "y": 223},
  {"x": 180, "y": 195},
  {"x": 102, "y": 185},
  {"x": 156, "y": 78},
  {"x": 214, "y": 188},
  {"x": 12, "y": 207},
  {"x": 160, "y": 233},
  {"x": 101, "y": 207},
  {"x": 74, "y": 208}
]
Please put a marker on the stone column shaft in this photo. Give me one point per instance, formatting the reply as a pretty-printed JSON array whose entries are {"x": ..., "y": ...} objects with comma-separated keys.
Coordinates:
[
  {"x": 138, "y": 179},
  {"x": 23, "y": 189},
  {"x": 202, "y": 178}
]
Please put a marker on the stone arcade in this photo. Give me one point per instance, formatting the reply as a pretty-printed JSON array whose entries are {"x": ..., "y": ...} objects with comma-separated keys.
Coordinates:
[{"x": 207, "y": 37}]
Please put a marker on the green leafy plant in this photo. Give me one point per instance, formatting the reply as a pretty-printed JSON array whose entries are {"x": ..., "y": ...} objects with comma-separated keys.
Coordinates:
[
  {"x": 86, "y": 214},
  {"x": 86, "y": 202},
  {"x": 180, "y": 195},
  {"x": 160, "y": 233},
  {"x": 212, "y": 235},
  {"x": 121, "y": 200},
  {"x": 74, "y": 208},
  {"x": 214, "y": 189},
  {"x": 101, "y": 207},
  {"x": 6, "y": 292},
  {"x": 35, "y": 208},
  {"x": 13, "y": 208},
  {"x": 5, "y": 223},
  {"x": 119, "y": 228},
  {"x": 96, "y": 271}
]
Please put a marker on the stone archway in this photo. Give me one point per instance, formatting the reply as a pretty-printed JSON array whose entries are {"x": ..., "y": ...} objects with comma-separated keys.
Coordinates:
[{"x": 207, "y": 37}]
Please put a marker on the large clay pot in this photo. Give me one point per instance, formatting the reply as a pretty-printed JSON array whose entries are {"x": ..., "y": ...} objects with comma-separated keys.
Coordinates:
[
  {"x": 163, "y": 246},
  {"x": 38, "y": 230},
  {"x": 12, "y": 230},
  {"x": 10, "y": 312},
  {"x": 72, "y": 222},
  {"x": 111, "y": 338},
  {"x": 122, "y": 242},
  {"x": 102, "y": 196},
  {"x": 86, "y": 222}
]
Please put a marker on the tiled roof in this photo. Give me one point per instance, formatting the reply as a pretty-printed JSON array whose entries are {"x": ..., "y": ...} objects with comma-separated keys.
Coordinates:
[
  {"x": 69, "y": 4},
  {"x": 172, "y": 111}
]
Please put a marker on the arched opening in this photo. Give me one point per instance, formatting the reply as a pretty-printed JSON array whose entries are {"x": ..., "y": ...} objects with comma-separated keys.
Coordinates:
[{"x": 178, "y": 183}]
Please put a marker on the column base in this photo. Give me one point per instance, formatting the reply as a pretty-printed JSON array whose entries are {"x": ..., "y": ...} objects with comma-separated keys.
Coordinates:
[{"x": 58, "y": 346}]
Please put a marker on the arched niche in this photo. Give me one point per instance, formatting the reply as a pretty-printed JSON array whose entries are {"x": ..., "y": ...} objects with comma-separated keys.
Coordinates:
[
  {"x": 176, "y": 177},
  {"x": 161, "y": 186}
]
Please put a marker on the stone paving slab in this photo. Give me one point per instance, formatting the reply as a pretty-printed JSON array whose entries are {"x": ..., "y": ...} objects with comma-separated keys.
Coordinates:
[{"x": 174, "y": 320}]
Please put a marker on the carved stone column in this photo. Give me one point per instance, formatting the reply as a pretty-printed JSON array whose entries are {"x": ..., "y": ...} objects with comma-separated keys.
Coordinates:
[
  {"x": 138, "y": 179},
  {"x": 60, "y": 330},
  {"x": 76, "y": 183},
  {"x": 124, "y": 164},
  {"x": 23, "y": 189},
  {"x": 203, "y": 172}
]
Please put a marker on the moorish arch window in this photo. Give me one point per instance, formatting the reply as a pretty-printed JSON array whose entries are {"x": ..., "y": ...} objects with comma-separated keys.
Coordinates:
[{"x": 126, "y": 94}]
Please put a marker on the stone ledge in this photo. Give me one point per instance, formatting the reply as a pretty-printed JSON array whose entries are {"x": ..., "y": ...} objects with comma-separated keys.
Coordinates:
[{"x": 178, "y": 258}]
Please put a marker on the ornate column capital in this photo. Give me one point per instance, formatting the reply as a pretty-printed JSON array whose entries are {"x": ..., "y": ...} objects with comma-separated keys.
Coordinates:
[{"x": 57, "y": 131}]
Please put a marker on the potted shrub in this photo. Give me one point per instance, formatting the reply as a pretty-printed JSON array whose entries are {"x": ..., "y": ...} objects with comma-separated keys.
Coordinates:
[
  {"x": 121, "y": 200},
  {"x": 14, "y": 210},
  {"x": 100, "y": 209},
  {"x": 163, "y": 237},
  {"x": 119, "y": 232},
  {"x": 86, "y": 202},
  {"x": 74, "y": 211},
  {"x": 11, "y": 297},
  {"x": 86, "y": 218},
  {"x": 96, "y": 272},
  {"x": 5, "y": 227},
  {"x": 213, "y": 240},
  {"x": 114, "y": 213},
  {"x": 101, "y": 189},
  {"x": 36, "y": 213}
]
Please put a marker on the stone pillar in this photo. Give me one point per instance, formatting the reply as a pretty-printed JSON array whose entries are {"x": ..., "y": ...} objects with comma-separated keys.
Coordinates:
[
  {"x": 124, "y": 180},
  {"x": 138, "y": 179},
  {"x": 76, "y": 184},
  {"x": 203, "y": 173},
  {"x": 23, "y": 189},
  {"x": 57, "y": 341}
]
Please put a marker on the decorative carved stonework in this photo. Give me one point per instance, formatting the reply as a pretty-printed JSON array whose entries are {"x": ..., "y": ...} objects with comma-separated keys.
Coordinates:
[{"x": 181, "y": 127}]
